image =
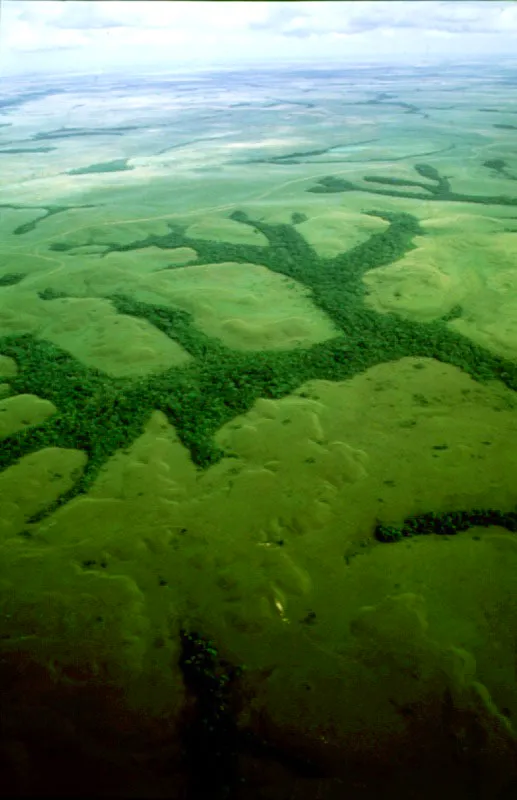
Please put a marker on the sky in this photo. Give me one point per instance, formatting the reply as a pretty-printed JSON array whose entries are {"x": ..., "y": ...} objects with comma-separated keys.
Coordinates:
[{"x": 98, "y": 36}]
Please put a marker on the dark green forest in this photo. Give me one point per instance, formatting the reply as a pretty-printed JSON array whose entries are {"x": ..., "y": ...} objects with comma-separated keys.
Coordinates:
[{"x": 101, "y": 415}]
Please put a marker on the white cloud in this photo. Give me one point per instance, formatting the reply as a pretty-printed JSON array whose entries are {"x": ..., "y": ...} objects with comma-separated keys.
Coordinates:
[
  {"x": 418, "y": 15},
  {"x": 88, "y": 16},
  {"x": 103, "y": 34}
]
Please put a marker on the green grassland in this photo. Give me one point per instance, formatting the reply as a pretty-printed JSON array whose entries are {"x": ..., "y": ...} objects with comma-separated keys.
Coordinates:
[{"x": 267, "y": 381}]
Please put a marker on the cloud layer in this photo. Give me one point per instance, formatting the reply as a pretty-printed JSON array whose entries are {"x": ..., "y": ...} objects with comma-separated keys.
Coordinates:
[
  {"x": 320, "y": 18},
  {"x": 84, "y": 35}
]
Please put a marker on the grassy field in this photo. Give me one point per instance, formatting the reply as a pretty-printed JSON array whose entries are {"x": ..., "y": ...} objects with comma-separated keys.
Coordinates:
[{"x": 258, "y": 364}]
